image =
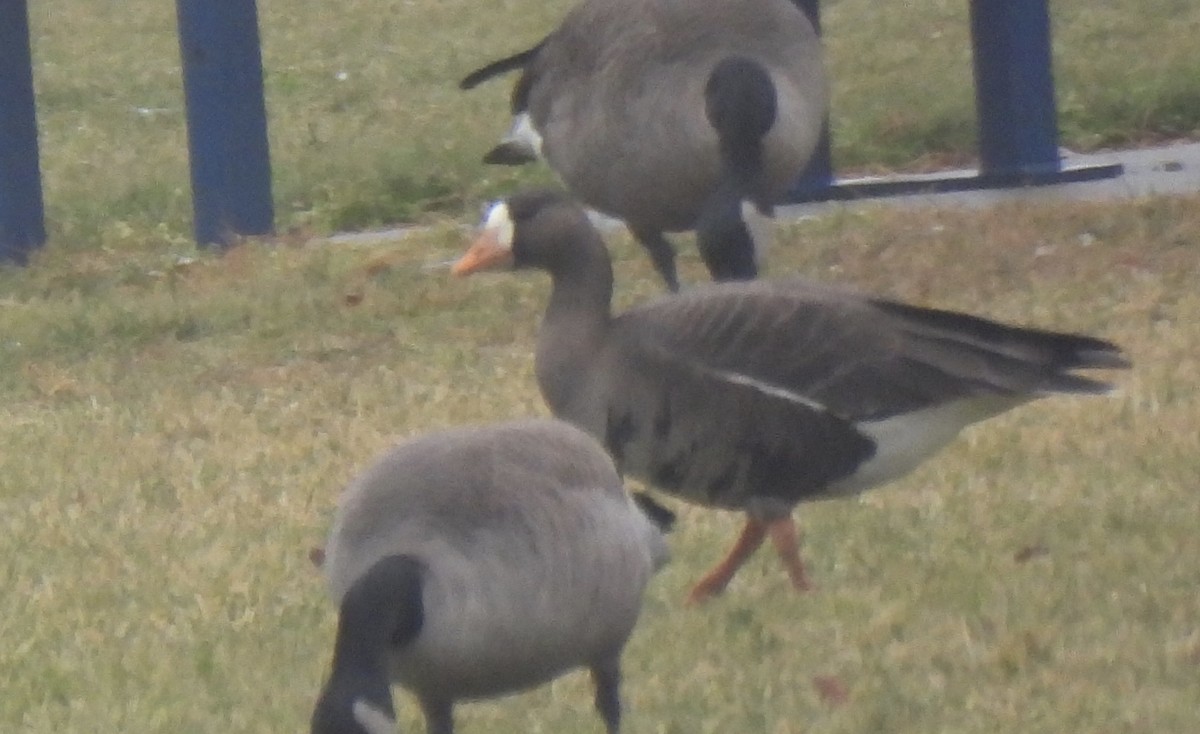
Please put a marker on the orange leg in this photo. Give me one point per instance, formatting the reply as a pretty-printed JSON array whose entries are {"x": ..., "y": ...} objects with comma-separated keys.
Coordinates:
[
  {"x": 787, "y": 544},
  {"x": 753, "y": 533}
]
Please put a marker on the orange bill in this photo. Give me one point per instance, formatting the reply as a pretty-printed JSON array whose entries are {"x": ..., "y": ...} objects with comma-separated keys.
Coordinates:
[{"x": 485, "y": 253}]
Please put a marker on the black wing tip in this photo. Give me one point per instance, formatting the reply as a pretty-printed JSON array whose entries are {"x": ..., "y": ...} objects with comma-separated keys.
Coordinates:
[
  {"x": 1103, "y": 355},
  {"x": 663, "y": 518},
  {"x": 1097, "y": 354},
  {"x": 1076, "y": 385},
  {"x": 1062, "y": 350}
]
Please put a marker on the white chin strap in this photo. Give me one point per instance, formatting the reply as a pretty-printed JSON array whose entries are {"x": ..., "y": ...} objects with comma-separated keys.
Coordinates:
[
  {"x": 372, "y": 719},
  {"x": 761, "y": 228}
]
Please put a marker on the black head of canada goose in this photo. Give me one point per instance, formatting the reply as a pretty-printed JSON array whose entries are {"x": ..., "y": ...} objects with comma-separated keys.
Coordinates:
[
  {"x": 673, "y": 115},
  {"x": 758, "y": 395},
  {"x": 479, "y": 561}
]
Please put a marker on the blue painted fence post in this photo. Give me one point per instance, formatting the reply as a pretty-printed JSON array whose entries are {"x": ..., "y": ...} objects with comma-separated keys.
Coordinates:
[
  {"x": 1014, "y": 88},
  {"x": 22, "y": 218},
  {"x": 226, "y": 119}
]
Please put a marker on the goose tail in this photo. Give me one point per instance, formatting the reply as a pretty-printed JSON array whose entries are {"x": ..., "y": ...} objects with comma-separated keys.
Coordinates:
[
  {"x": 1076, "y": 352},
  {"x": 1020, "y": 359},
  {"x": 498, "y": 67}
]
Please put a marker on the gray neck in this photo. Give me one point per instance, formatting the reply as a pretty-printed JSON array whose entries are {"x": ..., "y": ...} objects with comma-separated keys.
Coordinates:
[
  {"x": 576, "y": 320},
  {"x": 582, "y": 279}
]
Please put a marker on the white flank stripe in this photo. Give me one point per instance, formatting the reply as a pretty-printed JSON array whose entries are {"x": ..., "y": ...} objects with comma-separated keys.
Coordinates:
[{"x": 766, "y": 388}]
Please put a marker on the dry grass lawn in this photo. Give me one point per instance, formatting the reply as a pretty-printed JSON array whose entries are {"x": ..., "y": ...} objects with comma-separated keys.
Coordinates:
[
  {"x": 175, "y": 426},
  {"x": 176, "y": 429}
]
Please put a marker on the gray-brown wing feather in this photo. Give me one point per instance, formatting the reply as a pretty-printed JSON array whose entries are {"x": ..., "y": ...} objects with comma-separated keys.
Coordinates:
[
  {"x": 720, "y": 443},
  {"x": 860, "y": 359},
  {"x": 678, "y": 416}
]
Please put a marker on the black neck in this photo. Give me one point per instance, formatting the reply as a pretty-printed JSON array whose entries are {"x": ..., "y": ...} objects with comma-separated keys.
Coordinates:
[{"x": 381, "y": 611}]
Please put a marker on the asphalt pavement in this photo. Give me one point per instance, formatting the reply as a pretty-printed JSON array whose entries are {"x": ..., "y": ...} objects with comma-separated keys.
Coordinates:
[{"x": 1167, "y": 170}]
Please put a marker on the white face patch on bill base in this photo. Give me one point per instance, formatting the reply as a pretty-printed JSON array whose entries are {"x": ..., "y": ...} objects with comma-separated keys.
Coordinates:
[
  {"x": 492, "y": 247},
  {"x": 499, "y": 221}
]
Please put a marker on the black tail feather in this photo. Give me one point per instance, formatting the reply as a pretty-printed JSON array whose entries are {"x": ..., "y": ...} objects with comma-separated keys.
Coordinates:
[
  {"x": 499, "y": 66},
  {"x": 1058, "y": 349}
]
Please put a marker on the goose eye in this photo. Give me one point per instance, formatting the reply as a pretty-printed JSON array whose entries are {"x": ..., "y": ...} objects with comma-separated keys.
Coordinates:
[{"x": 498, "y": 219}]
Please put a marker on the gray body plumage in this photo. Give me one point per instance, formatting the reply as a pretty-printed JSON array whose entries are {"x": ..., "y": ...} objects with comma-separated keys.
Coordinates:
[
  {"x": 620, "y": 101},
  {"x": 760, "y": 395},
  {"x": 534, "y": 558},
  {"x": 618, "y": 97}
]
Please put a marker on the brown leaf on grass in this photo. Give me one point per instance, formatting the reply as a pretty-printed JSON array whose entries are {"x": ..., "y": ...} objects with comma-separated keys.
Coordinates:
[
  {"x": 831, "y": 689},
  {"x": 1132, "y": 262},
  {"x": 52, "y": 381},
  {"x": 380, "y": 265},
  {"x": 1029, "y": 552},
  {"x": 373, "y": 269},
  {"x": 316, "y": 554}
]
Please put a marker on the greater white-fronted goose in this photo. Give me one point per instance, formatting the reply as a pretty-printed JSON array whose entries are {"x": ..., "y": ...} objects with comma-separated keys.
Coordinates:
[
  {"x": 758, "y": 395},
  {"x": 479, "y": 561},
  {"x": 673, "y": 115}
]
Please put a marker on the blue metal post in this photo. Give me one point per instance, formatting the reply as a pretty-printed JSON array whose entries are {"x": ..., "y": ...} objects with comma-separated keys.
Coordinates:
[
  {"x": 1014, "y": 88},
  {"x": 226, "y": 119},
  {"x": 22, "y": 219}
]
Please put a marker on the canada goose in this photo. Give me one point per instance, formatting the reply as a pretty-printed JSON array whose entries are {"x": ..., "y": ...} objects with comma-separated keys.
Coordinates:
[
  {"x": 479, "y": 561},
  {"x": 758, "y": 395},
  {"x": 673, "y": 115}
]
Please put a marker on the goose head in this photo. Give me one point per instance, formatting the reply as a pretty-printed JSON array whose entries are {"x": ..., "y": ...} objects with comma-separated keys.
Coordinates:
[
  {"x": 545, "y": 230},
  {"x": 345, "y": 711},
  {"x": 380, "y": 611}
]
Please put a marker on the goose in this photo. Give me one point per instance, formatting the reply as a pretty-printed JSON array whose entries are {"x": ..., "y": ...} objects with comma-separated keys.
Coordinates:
[
  {"x": 478, "y": 561},
  {"x": 673, "y": 115},
  {"x": 758, "y": 395}
]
